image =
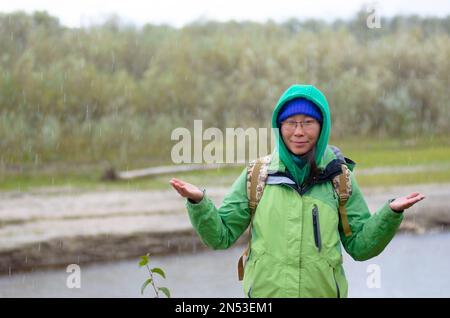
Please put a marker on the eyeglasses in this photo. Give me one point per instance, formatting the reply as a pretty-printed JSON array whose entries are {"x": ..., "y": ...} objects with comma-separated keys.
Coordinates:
[{"x": 291, "y": 125}]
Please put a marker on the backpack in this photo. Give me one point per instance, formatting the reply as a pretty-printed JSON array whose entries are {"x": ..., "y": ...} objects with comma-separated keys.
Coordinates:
[{"x": 257, "y": 173}]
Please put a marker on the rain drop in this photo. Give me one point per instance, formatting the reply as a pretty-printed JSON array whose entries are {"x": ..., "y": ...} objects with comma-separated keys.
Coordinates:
[
  {"x": 87, "y": 111},
  {"x": 113, "y": 62}
]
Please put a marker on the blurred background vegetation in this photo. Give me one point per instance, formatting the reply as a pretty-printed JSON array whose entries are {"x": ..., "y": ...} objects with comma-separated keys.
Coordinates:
[{"x": 76, "y": 101}]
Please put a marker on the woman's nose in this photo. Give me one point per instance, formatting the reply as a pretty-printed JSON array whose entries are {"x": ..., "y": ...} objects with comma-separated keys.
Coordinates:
[{"x": 298, "y": 131}]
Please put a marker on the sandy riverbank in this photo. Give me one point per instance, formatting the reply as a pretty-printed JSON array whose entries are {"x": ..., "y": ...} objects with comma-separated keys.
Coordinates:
[{"x": 63, "y": 226}]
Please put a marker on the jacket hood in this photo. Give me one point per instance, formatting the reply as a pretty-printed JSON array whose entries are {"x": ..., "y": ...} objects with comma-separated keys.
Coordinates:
[{"x": 316, "y": 96}]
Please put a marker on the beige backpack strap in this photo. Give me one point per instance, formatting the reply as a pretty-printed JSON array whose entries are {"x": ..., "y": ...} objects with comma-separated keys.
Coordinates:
[
  {"x": 343, "y": 186},
  {"x": 256, "y": 179}
]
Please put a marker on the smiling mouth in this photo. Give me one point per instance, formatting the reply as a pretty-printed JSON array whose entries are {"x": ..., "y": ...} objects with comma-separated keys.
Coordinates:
[{"x": 299, "y": 142}]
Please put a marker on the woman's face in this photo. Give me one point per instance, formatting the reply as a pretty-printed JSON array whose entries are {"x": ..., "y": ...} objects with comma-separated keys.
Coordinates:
[{"x": 300, "y": 138}]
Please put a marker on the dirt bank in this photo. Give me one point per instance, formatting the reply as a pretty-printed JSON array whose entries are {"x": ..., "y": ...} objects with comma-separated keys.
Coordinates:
[{"x": 63, "y": 226}]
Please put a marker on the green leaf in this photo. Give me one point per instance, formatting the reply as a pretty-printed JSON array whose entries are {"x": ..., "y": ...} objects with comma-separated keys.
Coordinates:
[
  {"x": 145, "y": 284},
  {"x": 144, "y": 260},
  {"x": 159, "y": 271},
  {"x": 165, "y": 291}
]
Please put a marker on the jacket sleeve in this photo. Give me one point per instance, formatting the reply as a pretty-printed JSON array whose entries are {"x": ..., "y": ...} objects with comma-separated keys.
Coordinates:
[
  {"x": 370, "y": 233},
  {"x": 220, "y": 228}
]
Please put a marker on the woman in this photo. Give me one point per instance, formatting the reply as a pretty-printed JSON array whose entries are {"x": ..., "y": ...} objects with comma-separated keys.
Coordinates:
[{"x": 285, "y": 258}]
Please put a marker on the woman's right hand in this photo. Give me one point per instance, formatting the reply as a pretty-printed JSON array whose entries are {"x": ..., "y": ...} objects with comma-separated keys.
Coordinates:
[{"x": 187, "y": 190}]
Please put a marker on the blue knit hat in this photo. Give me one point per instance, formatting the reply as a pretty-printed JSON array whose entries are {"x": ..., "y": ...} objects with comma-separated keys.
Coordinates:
[{"x": 299, "y": 106}]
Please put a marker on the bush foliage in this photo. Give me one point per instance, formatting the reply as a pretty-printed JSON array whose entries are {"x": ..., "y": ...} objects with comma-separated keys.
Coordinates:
[{"x": 114, "y": 92}]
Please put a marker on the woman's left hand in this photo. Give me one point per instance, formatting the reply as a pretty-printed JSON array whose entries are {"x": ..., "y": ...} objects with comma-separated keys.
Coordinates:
[{"x": 406, "y": 202}]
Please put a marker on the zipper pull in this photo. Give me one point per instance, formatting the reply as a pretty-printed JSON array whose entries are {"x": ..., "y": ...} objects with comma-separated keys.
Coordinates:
[{"x": 316, "y": 227}]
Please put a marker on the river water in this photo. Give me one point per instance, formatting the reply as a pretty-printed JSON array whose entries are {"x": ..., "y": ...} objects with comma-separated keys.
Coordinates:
[{"x": 411, "y": 266}]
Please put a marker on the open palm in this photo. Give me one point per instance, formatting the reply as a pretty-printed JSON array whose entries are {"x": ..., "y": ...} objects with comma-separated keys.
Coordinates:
[
  {"x": 187, "y": 190},
  {"x": 403, "y": 203}
]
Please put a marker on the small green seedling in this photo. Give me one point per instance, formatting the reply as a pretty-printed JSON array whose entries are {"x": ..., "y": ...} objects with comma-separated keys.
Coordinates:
[{"x": 145, "y": 260}]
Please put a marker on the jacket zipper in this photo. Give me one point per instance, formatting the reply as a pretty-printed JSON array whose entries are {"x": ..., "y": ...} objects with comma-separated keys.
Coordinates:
[
  {"x": 317, "y": 238},
  {"x": 318, "y": 241},
  {"x": 316, "y": 226}
]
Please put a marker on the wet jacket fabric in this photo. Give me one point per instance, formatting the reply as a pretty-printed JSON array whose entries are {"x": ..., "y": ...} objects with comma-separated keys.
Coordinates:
[{"x": 297, "y": 233}]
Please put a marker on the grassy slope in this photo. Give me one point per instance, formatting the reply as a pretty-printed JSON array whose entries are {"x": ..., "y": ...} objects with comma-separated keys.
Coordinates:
[{"x": 367, "y": 154}]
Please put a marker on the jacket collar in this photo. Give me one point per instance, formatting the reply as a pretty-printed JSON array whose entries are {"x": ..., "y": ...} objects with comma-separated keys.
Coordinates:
[{"x": 330, "y": 165}]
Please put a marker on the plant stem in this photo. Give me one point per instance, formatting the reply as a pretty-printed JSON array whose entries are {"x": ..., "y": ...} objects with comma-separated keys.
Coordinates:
[{"x": 153, "y": 282}]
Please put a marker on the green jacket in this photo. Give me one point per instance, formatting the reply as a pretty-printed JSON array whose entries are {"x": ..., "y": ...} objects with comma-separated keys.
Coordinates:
[{"x": 286, "y": 259}]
